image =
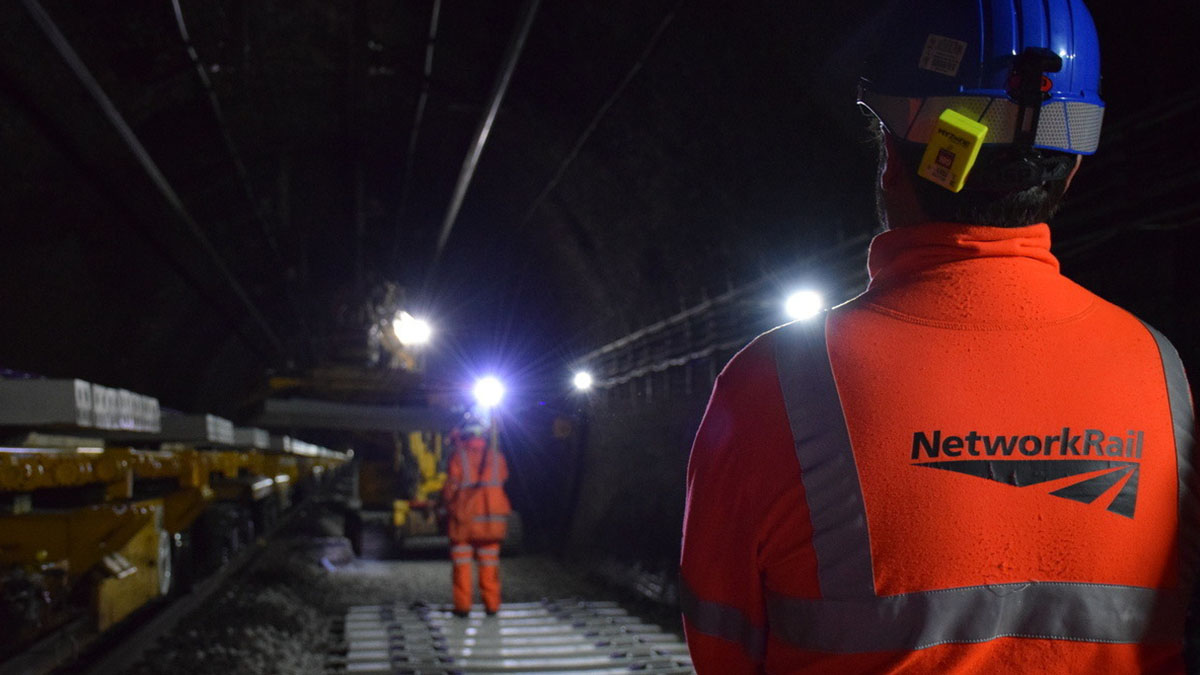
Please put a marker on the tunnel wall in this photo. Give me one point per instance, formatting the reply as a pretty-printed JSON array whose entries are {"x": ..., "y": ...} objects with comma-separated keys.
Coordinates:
[{"x": 629, "y": 512}]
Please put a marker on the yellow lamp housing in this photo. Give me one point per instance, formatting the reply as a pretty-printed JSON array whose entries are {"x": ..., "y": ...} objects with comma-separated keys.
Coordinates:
[{"x": 952, "y": 150}]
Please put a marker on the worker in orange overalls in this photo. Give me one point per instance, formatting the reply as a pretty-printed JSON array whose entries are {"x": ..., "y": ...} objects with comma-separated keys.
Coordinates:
[
  {"x": 976, "y": 466},
  {"x": 477, "y": 510}
]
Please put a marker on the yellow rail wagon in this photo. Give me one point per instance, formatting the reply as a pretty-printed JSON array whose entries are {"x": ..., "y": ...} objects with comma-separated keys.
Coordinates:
[{"x": 101, "y": 494}]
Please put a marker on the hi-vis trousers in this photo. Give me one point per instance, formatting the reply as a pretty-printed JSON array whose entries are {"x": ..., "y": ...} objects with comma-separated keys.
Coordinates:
[{"x": 488, "y": 555}]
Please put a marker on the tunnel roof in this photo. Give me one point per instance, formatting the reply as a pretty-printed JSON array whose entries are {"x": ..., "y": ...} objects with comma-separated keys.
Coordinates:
[{"x": 209, "y": 195}]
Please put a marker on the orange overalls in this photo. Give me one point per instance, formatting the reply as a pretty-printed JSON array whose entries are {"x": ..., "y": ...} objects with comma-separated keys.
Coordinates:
[
  {"x": 478, "y": 511},
  {"x": 976, "y": 466}
]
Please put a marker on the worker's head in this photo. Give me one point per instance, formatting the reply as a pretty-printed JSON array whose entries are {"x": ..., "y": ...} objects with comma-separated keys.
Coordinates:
[
  {"x": 1022, "y": 80},
  {"x": 471, "y": 426}
]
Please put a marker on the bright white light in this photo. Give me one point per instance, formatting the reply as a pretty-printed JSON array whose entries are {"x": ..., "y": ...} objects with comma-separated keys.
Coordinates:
[
  {"x": 583, "y": 380},
  {"x": 803, "y": 305},
  {"x": 410, "y": 330},
  {"x": 489, "y": 392}
]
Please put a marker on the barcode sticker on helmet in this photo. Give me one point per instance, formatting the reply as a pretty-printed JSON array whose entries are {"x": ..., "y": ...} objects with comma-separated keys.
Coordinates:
[{"x": 942, "y": 55}]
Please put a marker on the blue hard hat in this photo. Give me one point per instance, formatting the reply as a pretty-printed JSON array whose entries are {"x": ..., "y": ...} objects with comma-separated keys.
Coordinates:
[{"x": 935, "y": 55}]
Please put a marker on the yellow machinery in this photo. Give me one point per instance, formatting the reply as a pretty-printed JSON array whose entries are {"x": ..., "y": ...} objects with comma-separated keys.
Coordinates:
[
  {"x": 417, "y": 515},
  {"x": 97, "y": 530},
  {"x": 405, "y": 488}
]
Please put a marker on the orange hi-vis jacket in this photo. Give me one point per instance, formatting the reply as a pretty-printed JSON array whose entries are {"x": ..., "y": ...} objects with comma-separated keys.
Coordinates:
[
  {"x": 476, "y": 504},
  {"x": 976, "y": 466}
]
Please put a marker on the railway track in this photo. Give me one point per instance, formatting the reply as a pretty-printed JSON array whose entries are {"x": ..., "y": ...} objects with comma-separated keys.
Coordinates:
[{"x": 564, "y": 636}]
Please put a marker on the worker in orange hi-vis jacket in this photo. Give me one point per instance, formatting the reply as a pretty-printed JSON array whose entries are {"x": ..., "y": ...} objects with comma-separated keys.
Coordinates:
[
  {"x": 477, "y": 510},
  {"x": 977, "y": 465}
]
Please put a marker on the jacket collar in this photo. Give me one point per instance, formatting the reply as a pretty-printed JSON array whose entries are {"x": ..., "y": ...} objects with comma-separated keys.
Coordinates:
[
  {"x": 972, "y": 277},
  {"x": 903, "y": 252}
]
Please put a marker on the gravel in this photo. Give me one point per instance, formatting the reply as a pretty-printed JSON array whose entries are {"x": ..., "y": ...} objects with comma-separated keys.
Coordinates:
[{"x": 278, "y": 617}]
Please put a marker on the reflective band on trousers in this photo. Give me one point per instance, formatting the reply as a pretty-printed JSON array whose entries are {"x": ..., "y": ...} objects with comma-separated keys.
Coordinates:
[{"x": 850, "y": 617}]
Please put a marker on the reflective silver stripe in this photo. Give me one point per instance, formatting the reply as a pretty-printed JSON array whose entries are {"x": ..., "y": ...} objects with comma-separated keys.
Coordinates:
[
  {"x": 463, "y": 548},
  {"x": 849, "y": 618},
  {"x": 722, "y": 621},
  {"x": 487, "y": 519},
  {"x": 493, "y": 469},
  {"x": 1183, "y": 420},
  {"x": 835, "y": 504},
  {"x": 1056, "y": 611}
]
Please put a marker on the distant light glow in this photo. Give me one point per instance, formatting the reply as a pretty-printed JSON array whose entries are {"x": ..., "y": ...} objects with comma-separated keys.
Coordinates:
[
  {"x": 803, "y": 305},
  {"x": 489, "y": 391},
  {"x": 411, "y": 331},
  {"x": 583, "y": 380}
]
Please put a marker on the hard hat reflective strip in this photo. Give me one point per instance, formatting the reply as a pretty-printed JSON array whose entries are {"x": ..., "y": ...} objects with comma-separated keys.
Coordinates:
[
  {"x": 1184, "y": 422},
  {"x": 723, "y": 621},
  {"x": 822, "y": 443},
  {"x": 1069, "y": 126},
  {"x": 1054, "y": 611}
]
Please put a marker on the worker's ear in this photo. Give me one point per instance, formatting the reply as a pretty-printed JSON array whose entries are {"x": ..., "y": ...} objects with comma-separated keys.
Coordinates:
[
  {"x": 897, "y": 198},
  {"x": 892, "y": 171},
  {"x": 1074, "y": 169}
]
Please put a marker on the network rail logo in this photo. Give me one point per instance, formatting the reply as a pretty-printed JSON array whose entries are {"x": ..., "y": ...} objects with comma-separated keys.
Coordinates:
[{"x": 1109, "y": 475}]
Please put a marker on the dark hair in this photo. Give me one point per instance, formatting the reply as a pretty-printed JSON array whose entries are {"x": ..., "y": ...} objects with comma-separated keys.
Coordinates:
[{"x": 974, "y": 205}]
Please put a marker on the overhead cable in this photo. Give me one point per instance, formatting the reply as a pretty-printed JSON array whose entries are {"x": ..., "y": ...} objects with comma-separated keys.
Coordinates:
[
  {"x": 485, "y": 126},
  {"x": 239, "y": 165},
  {"x": 600, "y": 114},
  {"x": 85, "y": 77},
  {"x": 418, "y": 117}
]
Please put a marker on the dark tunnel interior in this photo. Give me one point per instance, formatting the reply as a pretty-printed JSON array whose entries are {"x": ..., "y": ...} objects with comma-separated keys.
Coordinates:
[{"x": 217, "y": 203}]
